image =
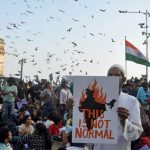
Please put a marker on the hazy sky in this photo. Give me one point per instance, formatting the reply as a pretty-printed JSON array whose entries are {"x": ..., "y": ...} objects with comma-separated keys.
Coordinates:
[{"x": 46, "y": 27}]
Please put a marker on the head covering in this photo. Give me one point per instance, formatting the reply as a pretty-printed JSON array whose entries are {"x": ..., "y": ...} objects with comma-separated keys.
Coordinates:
[{"x": 119, "y": 67}]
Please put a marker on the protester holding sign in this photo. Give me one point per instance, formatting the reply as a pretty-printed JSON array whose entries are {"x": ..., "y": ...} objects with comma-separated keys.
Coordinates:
[{"x": 129, "y": 120}]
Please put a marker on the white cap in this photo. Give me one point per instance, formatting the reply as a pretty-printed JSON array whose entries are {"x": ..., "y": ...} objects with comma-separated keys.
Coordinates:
[{"x": 119, "y": 67}]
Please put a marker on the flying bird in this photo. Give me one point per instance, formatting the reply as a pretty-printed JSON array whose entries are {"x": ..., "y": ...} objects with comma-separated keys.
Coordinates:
[
  {"x": 29, "y": 40},
  {"x": 17, "y": 74},
  {"x": 113, "y": 40},
  {"x": 70, "y": 73},
  {"x": 36, "y": 49},
  {"x": 69, "y": 29},
  {"x": 74, "y": 44},
  {"x": 75, "y": 19},
  {"x": 103, "y": 10},
  {"x": 92, "y": 16},
  {"x": 92, "y": 34},
  {"x": 30, "y": 12},
  {"x": 9, "y": 28},
  {"x": 61, "y": 11},
  {"x": 58, "y": 72},
  {"x": 24, "y": 52},
  {"x": 91, "y": 61},
  {"x": 23, "y": 22},
  {"x": 14, "y": 25}
]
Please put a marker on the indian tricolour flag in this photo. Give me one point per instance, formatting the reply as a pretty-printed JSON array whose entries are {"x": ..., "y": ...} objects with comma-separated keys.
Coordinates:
[{"x": 133, "y": 54}]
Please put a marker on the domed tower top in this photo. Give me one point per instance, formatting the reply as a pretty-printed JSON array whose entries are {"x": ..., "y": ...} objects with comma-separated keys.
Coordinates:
[
  {"x": 2, "y": 43},
  {"x": 2, "y": 53}
]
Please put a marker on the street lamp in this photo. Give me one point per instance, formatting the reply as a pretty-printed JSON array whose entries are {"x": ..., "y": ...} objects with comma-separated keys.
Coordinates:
[
  {"x": 22, "y": 61},
  {"x": 147, "y": 35}
]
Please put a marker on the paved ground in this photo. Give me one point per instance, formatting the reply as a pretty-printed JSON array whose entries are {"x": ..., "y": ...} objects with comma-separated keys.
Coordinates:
[{"x": 56, "y": 145}]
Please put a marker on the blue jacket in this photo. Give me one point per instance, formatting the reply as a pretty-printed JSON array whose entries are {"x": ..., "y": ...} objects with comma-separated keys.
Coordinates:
[{"x": 142, "y": 95}]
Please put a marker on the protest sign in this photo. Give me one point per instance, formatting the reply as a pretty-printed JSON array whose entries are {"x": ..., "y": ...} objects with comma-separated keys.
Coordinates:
[{"x": 94, "y": 113}]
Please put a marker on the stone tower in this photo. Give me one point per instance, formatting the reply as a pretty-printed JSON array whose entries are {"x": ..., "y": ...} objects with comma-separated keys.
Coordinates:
[{"x": 1, "y": 56}]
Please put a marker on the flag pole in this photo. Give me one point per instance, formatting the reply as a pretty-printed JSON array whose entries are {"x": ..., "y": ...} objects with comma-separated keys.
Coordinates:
[{"x": 125, "y": 58}]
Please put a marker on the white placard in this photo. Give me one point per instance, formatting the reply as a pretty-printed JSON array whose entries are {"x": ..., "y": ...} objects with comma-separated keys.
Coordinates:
[{"x": 94, "y": 112}]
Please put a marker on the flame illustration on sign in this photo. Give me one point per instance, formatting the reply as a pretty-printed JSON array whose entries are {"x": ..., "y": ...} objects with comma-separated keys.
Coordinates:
[
  {"x": 92, "y": 103},
  {"x": 98, "y": 94}
]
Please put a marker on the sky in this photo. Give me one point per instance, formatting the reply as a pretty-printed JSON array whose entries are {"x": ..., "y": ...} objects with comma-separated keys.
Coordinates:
[{"x": 70, "y": 37}]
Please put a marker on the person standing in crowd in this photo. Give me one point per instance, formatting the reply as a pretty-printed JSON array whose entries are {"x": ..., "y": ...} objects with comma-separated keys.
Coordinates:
[
  {"x": 21, "y": 98},
  {"x": 65, "y": 97},
  {"x": 46, "y": 96},
  {"x": 9, "y": 93},
  {"x": 5, "y": 138},
  {"x": 134, "y": 89},
  {"x": 143, "y": 93},
  {"x": 129, "y": 120}
]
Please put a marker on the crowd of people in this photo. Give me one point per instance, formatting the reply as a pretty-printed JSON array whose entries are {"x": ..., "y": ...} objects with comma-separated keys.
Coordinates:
[
  {"x": 35, "y": 116},
  {"x": 39, "y": 116}
]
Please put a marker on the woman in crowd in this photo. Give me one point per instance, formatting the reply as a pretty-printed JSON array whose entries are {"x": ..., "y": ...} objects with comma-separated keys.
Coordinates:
[
  {"x": 27, "y": 127},
  {"x": 39, "y": 140},
  {"x": 35, "y": 116},
  {"x": 49, "y": 120},
  {"x": 5, "y": 138}
]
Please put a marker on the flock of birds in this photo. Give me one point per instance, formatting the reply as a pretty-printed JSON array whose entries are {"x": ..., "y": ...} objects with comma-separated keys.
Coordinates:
[{"x": 74, "y": 53}]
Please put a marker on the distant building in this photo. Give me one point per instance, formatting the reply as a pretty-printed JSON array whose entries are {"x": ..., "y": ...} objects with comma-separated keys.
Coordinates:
[{"x": 2, "y": 52}]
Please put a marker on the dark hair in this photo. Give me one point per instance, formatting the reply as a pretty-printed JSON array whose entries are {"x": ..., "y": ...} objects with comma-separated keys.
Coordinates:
[
  {"x": 42, "y": 130},
  {"x": 51, "y": 116},
  {"x": 56, "y": 119},
  {"x": 11, "y": 80},
  {"x": 47, "y": 84},
  {"x": 21, "y": 82},
  {"x": 3, "y": 134},
  {"x": 25, "y": 118},
  {"x": 63, "y": 83},
  {"x": 144, "y": 84}
]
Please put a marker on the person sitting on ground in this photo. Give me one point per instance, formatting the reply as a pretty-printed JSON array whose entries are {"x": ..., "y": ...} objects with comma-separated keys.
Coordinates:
[
  {"x": 49, "y": 120},
  {"x": 39, "y": 140},
  {"x": 19, "y": 115},
  {"x": 5, "y": 138},
  {"x": 27, "y": 127},
  {"x": 35, "y": 116},
  {"x": 54, "y": 129}
]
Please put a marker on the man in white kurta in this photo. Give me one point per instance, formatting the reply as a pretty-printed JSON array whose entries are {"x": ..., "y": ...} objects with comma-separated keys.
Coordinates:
[{"x": 129, "y": 120}]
